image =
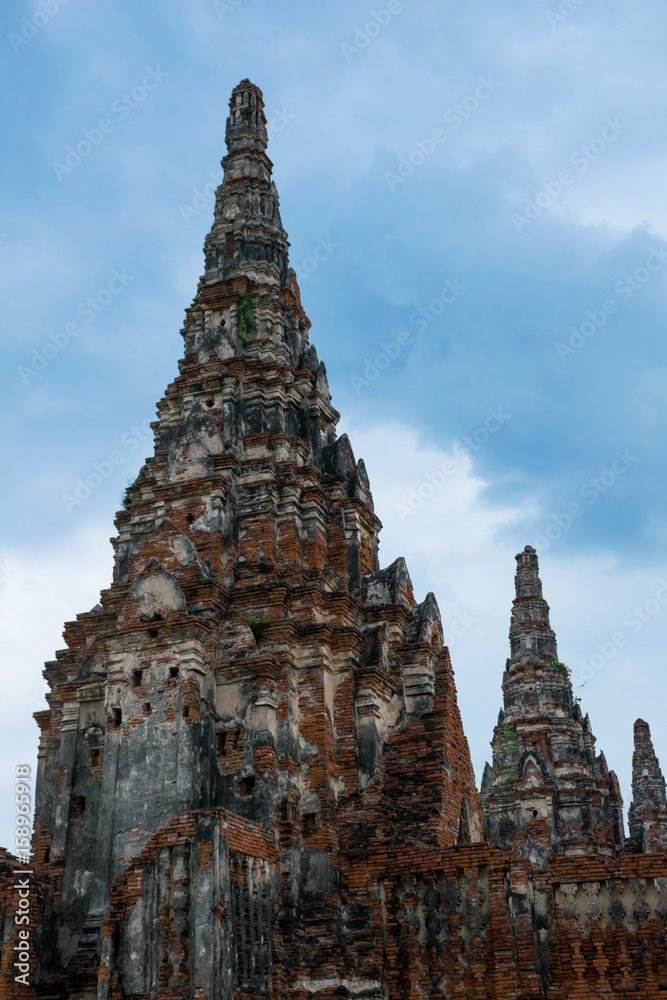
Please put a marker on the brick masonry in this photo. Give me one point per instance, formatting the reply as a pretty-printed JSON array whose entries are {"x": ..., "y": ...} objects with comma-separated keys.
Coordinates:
[{"x": 253, "y": 778}]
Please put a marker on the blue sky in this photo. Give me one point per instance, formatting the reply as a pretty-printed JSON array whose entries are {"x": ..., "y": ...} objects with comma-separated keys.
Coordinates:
[{"x": 514, "y": 151}]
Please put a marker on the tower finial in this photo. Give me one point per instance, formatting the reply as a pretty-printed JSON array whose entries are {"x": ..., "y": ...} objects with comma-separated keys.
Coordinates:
[
  {"x": 247, "y": 239},
  {"x": 527, "y": 579},
  {"x": 246, "y": 125},
  {"x": 531, "y": 634}
]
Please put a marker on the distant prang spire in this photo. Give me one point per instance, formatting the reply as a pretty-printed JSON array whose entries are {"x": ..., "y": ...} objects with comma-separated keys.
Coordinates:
[
  {"x": 532, "y": 639},
  {"x": 546, "y": 788},
  {"x": 648, "y": 811}
]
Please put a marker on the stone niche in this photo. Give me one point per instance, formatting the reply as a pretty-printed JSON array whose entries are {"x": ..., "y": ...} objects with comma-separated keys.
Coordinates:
[{"x": 161, "y": 933}]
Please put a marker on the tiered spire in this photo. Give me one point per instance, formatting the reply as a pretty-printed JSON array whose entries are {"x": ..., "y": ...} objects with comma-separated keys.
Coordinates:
[
  {"x": 546, "y": 785},
  {"x": 247, "y": 315},
  {"x": 254, "y": 695},
  {"x": 247, "y": 237},
  {"x": 526, "y": 692},
  {"x": 648, "y": 811}
]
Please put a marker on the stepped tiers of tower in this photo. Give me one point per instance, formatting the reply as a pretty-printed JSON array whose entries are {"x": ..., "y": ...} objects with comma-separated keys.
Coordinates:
[
  {"x": 545, "y": 771},
  {"x": 253, "y": 779}
]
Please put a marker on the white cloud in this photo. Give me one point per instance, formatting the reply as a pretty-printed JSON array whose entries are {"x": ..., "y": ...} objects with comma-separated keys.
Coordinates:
[
  {"x": 626, "y": 197},
  {"x": 461, "y": 545},
  {"x": 40, "y": 591}
]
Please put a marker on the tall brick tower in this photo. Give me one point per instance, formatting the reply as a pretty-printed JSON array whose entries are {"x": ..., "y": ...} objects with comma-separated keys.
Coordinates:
[
  {"x": 648, "y": 810},
  {"x": 257, "y": 719},
  {"x": 546, "y": 787},
  {"x": 253, "y": 782}
]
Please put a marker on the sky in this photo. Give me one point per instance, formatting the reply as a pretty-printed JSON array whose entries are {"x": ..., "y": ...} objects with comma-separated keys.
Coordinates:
[{"x": 475, "y": 200}]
